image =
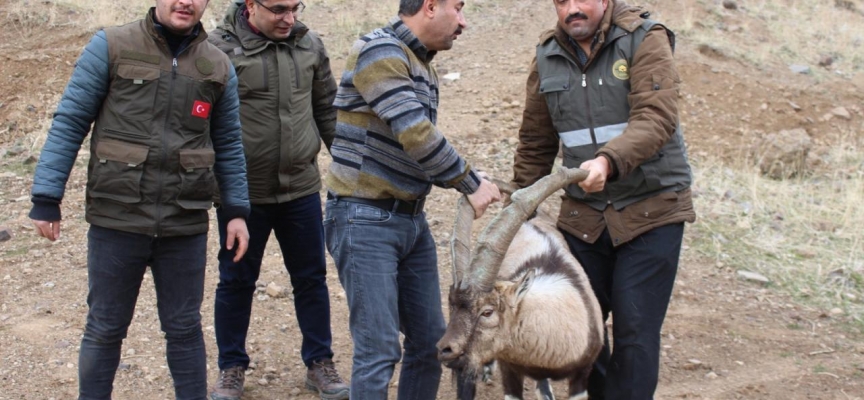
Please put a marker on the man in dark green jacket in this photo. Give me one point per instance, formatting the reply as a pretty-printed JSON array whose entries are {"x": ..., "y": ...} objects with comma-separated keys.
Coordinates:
[
  {"x": 286, "y": 96},
  {"x": 165, "y": 107}
]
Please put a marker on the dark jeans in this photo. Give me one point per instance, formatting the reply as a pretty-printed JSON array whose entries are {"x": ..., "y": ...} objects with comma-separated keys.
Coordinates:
[
  {"x": 634, "y": 282},
  {"x": 388, "y": 266},
  {"x": 297, "y": 225},
  {"x": 116, "y": 263}
]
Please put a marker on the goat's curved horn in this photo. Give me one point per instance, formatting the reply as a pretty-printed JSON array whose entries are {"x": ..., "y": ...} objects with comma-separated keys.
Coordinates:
[
  {"x": 495, "y": 239},
  {"x": 507, "y": 188},
  {"x": 460, "y": 241}
]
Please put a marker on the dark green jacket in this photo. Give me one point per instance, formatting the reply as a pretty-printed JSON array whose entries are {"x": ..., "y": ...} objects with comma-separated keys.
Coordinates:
[{"x": 286, "y": 106}]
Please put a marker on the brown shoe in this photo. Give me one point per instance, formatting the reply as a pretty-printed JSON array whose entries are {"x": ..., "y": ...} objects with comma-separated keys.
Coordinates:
[
  {"x": 230, "y": 384},
  {"x": 324, "y": 379}
]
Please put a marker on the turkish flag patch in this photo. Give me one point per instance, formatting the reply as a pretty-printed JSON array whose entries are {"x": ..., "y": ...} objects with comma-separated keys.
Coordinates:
[{"x": 201, "y": 109}]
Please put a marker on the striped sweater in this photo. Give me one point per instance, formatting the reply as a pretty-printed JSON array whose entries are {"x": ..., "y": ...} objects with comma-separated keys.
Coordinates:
[{"x": 386, "y": 144}]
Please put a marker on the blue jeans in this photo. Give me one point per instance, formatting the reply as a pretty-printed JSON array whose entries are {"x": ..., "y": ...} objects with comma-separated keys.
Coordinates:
[
  {"x": 116, "y": 263},
  {"x": 297, "y": 225},
  {"x": 634, "y": 282},
  {"x": 388, "y": 266}
]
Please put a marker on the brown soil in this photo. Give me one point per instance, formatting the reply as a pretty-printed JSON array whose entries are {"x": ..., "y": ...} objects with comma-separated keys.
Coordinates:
[{"x": 723, "y": 338}]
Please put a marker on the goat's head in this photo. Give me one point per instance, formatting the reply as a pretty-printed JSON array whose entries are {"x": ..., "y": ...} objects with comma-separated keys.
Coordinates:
[{"x": 481, "y": 309}]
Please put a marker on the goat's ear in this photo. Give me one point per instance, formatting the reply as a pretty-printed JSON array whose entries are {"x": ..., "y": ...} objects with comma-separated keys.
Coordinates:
[{"x": 525, "y": 284}]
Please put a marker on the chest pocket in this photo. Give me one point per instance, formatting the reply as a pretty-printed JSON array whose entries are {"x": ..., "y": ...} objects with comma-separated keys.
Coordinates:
[
  {"x": 133, "y": 92},
  {"x": 201, "y": 99},
  {"x": 252, "y": 74},
  {"x": 556, "y": 89}
]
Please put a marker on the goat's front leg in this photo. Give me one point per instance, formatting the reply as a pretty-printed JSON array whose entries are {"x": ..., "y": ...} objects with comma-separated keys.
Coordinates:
[
  {"x": 511, "y": 381},
  {"x": 578, "y": 385},
  {"x": 544, "y": 390}
]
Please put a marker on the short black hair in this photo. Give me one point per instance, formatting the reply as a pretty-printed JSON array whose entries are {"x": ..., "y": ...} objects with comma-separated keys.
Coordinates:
[{"x": 411, "y": 7}]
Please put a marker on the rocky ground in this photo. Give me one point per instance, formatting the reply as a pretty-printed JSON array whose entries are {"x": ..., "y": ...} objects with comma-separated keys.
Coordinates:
[{"x": 725, "y": 338}]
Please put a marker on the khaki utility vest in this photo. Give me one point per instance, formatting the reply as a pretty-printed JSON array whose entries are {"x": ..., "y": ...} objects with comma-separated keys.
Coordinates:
[
  {"x": 589, "y": 108},
  {"x": 151, "y": 163}
]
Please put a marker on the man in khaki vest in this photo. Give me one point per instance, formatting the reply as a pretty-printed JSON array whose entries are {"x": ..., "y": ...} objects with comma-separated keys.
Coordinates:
[
  {"x": 286, "y": 109},
  {"x": 164, "y": 109},
  {"x": 603, "y": 86}
]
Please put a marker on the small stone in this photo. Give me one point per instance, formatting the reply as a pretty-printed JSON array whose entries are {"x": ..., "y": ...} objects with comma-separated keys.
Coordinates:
[
  {"x": 30, "y": 160},
  {"x": 63, "y": 344},
  {"x": 711, "y": 375},
  {"x": 48, "y": 285},
  {"x": 753, "y": 277},
  {"x": 70, "y": 365},
  {"x": 836, "y": 311},
  {"x": 452, "y": 77},
  {"x": 130, "y": 352},
  {"x": 693, "y": 364},
  {"x": 842, "y": 112},
  {"x": 800, "y": 69},
  {"x": 263, "y": 382},
  {"x": 124, "y": 366},
  {"x": 5, "y": 235},
  {"x": 295, "y": 391},
  {"x": 275, "y": 291},
  {"x": 826, "y": 61},
  {"x": 794, "y": 106},
  {"x": 16, "y": 150},
  {"x": 31, "y": 108},
  {"x": 730, "y": 4}
]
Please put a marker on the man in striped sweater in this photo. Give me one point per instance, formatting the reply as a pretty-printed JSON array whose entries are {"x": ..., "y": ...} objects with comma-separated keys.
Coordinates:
[{"x": 387, "y": 154}]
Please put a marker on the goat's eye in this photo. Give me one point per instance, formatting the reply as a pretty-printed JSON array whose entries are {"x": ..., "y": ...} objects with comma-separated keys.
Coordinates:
[{"x": 487, "y": 313}]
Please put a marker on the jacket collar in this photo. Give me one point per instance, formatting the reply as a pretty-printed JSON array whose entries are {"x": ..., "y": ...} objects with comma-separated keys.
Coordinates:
[
  {"x": 237, "y": 23},
  {"x": 155, "y": 29},
  {"x": 406, "y": 36}
]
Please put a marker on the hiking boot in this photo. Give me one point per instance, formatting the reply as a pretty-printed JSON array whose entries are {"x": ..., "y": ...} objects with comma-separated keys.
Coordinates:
[
  {"x": 230, "y": 384},
  {"x": 324, "y": 379}
]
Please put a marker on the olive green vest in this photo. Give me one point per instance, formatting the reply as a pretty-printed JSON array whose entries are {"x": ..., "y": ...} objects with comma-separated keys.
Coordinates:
[
  {"x": 590, "y": 108},
  {"x": 151, "y": 162}
]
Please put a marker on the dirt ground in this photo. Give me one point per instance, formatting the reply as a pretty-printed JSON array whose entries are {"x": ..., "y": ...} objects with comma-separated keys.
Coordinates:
[{"x": 723, "y": 339}]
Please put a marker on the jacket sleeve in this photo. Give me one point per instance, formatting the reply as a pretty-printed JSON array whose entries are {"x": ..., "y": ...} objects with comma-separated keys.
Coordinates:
[
  {"x": 227, "y": 140},
  {"x": 76, "y": 112},
  {"x": 538, "y": 140},
  {"x": 382, "y": 78},
  {"x": 323, "y": 94},
  {"x": 653, "y": 105}
]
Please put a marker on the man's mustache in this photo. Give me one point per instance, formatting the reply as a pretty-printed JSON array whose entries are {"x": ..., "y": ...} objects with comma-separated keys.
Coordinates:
[{"x": 572, "y": 17}]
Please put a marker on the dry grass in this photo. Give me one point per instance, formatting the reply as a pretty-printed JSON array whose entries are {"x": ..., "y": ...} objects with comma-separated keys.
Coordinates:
[
  {"x": 806, "y": 30},
  {"x": 804, "y": 234}
]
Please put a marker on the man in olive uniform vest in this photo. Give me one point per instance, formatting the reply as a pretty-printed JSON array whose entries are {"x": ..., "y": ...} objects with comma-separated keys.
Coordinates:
[
  {"x": 167, "y": 128},
  {"x": 603, "y": 86},
  {"x": 286, "y": 109}
]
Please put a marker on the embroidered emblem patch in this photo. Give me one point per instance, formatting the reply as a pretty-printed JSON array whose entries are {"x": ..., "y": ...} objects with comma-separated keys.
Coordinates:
[
  {"x": 201, "y": 109},
  {"x": 204, "y": 66},
  {"x": 621, "y": 70}
]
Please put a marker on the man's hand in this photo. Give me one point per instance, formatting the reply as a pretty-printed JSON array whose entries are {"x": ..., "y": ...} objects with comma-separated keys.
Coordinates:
[
  {"x": 485, "y": 195},
  {"x": 237, "y": 232},
  {"x": 48, "y": 229},
  {"x": 598, "y": 170}
]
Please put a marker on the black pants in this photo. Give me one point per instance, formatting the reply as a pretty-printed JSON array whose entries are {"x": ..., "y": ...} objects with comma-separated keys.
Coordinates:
[{"x": 634, "y": 282}]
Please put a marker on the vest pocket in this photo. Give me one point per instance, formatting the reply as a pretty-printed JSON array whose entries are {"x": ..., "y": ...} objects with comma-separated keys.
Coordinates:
[
  {"x": 117, "y": 172},
  {"x": 197, "y": 183},
  {"x": 552, "y": 88},
  {"x": 654, "y": 169},
  {"x": 133, "y": 92},
  {"x": 200, "y": 102}
]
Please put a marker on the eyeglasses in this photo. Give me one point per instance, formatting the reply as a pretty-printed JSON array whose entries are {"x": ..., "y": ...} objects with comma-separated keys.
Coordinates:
[{"x": 281, "y": 12}]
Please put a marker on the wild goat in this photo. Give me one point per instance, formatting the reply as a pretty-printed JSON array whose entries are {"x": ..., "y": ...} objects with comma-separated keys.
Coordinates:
[{"x": 523, "y": 300}]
